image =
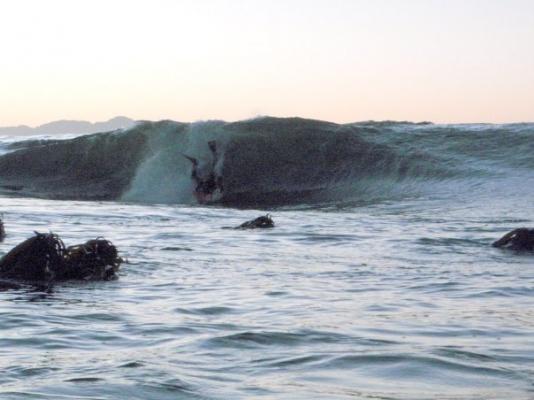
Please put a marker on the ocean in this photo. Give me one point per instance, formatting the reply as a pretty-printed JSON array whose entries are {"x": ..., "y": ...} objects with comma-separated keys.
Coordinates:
[{"x": 378, "y": 280}]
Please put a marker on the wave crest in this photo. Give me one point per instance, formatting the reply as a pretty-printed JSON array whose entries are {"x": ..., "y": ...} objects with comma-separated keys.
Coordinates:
[{"x": 263, "y": 161}]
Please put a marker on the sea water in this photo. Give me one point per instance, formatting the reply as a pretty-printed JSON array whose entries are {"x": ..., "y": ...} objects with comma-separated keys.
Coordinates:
[{"x": 396, "y": 296}]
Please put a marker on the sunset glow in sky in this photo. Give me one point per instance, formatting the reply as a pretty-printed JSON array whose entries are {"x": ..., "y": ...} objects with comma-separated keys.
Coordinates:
[{"x": 338, "y": 60}]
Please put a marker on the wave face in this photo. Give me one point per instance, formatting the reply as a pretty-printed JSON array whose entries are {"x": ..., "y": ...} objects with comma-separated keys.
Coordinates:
[
  {"x": 267, "y": 161},
  {"x": 99, "y": 166}
]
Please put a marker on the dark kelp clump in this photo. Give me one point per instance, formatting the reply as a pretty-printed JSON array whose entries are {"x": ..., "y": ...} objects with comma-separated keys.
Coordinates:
[
  {"x": 2, "y": 230},
  {"x": 39, "y": 258},
  {"x": 265, "y": 221},
  {"x": 44, "y": 258},
  {"x": 521, "y": 239},
  {"x": 96, "y": 259}
]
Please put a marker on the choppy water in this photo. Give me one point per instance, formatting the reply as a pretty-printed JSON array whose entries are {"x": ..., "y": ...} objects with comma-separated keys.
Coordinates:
[
  {"x": 393, "y": 295},
  {"x": 392, "y": 300}
]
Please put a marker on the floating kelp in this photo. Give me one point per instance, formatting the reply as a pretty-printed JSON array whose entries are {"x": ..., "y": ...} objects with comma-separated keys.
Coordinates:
[
  {"x": 265, "y": 221},
  {"x": 96, "y": 259},
  {"x": 39, "y": 258},
  {"x": 44, "y": 258},
  {"x": 2, "y": 230},
  {"x": 521, "y": 239}
]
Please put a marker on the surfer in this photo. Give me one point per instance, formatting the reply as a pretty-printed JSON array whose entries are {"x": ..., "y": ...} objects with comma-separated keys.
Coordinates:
[
  {"x": 521, "y": 239},
  {"x": 208, "y": 186}
]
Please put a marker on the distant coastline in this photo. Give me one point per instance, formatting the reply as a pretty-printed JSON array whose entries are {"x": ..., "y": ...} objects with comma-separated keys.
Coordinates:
[
  {"x": 69, "y": 127},
  {"x": 80, "y": 127}
]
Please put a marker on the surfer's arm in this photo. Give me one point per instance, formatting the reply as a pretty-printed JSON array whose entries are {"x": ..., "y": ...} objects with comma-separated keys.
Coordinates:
[{"x": 193, "y": 160}]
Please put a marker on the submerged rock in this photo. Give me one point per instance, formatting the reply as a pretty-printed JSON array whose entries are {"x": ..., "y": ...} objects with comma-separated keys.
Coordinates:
[
  {"x": 521, "y": 239},
  {"x": 44, "y": 258},
  {"x": 265, "y": 221}
]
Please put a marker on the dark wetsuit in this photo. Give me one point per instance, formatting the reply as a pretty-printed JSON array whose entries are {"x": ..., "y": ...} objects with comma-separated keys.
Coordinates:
[
  {"x": 210, "y": 184},
  {"x": 207, "y": 185}
]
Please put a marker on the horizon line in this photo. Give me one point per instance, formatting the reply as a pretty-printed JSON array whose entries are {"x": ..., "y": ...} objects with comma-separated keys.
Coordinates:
[{"x": 399, "y": 121}]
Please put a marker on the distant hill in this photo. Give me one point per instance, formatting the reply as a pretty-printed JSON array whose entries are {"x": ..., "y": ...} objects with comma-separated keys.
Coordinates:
[{"x": 69, "y": 126}]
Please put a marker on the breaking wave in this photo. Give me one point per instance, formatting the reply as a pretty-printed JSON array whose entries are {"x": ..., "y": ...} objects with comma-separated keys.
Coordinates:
[{"x": 266, "y": 161}]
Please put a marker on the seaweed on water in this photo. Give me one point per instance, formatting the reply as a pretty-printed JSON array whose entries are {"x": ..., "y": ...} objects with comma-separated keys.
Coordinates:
[
  {"x": 2, "y": 229},
  {"x": 39, "y": 258},
  {"x": 96, "y": 259},
  {"x": 44, "y": 258},
  {"x": 520, "y": 239},
  {"x": 265, "y": 221}
]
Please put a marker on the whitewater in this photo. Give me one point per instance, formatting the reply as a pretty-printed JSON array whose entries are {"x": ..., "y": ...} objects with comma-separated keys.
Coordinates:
[{"x": 378, "y": 280}]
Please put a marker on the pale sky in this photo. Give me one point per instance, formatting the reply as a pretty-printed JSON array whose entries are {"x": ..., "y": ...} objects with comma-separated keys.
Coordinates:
[{"x": 337, "y": 60}]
